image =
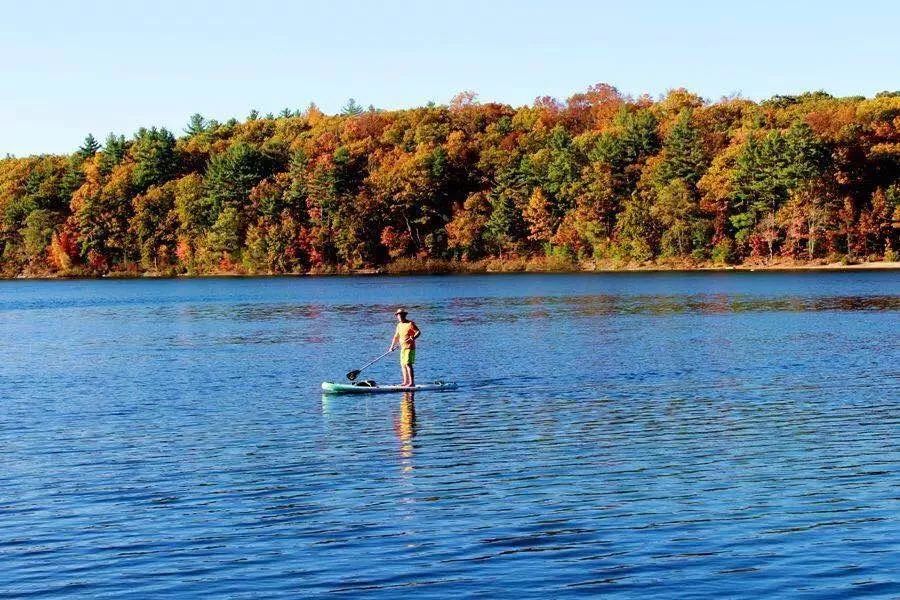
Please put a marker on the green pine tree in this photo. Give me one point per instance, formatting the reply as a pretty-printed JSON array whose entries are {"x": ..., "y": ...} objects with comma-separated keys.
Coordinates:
[
  {"x": 684, "y": 156},
  {"x": 113, "y": 152},
  {"x": 89, "y": 147},
  {"x": 351, "y": 108},
  {"x": 232, "y": 174},
  {"x": 154, "y": 156},
  {"x": 196, "y": 125}
]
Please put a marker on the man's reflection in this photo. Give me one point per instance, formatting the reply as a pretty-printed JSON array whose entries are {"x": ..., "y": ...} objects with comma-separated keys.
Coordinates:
[{"x": 405, "y": 426}]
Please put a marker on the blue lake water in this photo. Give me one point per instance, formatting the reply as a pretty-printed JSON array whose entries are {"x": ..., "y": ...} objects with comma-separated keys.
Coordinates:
[{"x": 699, "y": 435}]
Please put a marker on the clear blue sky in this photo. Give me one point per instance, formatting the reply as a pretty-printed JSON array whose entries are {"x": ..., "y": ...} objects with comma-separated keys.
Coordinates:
[{"x": 70, "y": 68}]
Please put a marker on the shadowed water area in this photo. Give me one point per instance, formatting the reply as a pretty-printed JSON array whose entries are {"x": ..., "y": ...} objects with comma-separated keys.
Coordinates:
[{"x": 637, "y": 435}]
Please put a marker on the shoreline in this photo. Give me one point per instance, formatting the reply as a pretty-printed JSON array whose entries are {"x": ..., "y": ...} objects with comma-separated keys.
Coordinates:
[{"x": 475, "y": 269}]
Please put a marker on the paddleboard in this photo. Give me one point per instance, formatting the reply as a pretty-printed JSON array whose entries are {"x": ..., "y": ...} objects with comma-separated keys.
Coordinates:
[{"x": 329, "y": 387}]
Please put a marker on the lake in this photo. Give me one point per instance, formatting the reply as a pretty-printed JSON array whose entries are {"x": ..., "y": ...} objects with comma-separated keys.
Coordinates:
[{"x": 699, "y": 435}]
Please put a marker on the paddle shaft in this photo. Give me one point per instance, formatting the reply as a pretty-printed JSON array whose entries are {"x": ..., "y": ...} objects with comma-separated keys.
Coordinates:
[{"x": 352, "y": 374}]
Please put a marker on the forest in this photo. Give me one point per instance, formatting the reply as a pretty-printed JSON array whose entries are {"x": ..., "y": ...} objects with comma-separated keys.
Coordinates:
[{"x": 599, "y": 180}]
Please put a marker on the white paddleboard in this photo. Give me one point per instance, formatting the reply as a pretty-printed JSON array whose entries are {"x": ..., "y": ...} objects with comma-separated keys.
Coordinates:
[{"x": 329, "y": 387}]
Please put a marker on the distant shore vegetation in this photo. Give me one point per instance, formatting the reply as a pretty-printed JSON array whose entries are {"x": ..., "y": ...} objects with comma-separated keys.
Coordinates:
[{"x": 600, "y": 179}]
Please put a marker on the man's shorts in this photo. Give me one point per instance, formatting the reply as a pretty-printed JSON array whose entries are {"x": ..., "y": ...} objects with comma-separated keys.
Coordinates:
[{"x": 407, "y": 356}]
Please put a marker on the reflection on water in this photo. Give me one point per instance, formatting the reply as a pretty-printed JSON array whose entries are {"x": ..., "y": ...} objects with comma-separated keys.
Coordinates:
[
  {"x": 405, "y": 426},
  {"x": 628, "y": 436},
  {"x": 479, "y": 310}
]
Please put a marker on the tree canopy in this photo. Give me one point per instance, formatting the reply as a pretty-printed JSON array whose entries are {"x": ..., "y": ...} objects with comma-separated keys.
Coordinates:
[{"x": 599, "y": 176}]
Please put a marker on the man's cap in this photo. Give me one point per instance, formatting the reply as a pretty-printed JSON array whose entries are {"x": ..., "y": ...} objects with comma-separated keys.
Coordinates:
[{"x": 401, "y": 311}]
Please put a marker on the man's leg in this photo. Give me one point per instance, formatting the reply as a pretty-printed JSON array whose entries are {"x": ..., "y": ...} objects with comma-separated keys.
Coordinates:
[
  {"x": 412, "y": 375},
  {"x": 404, "y": 362}
]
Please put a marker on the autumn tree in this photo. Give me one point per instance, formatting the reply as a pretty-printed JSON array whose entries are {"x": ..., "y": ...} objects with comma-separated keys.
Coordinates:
[
  {"x": 103, "y": 210},
  {"x": 225, "y": 234},
  {"x": 155, "y": 225},
  {"x": 636, "y": 228},
  {"x": 465, "y": 231},
  {"x": 538, "y": 218},
  {"x": 676, "y": 211}
]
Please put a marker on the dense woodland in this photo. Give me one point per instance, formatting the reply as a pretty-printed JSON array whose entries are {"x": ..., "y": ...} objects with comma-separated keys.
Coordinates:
[{"x": 600, "y": 179}]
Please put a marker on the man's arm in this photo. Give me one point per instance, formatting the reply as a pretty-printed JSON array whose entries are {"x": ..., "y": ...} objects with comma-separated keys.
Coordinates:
[
  {"x": 394, "y": 341},
  {"x": 415, "y": 330}
]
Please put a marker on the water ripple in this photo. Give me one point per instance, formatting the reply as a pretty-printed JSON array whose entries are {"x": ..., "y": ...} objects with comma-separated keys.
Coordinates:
[{"x": 661, "y": 437}]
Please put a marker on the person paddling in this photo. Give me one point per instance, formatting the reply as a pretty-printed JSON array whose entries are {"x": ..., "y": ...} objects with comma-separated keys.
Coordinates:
[{"x": 405, "y": 336}]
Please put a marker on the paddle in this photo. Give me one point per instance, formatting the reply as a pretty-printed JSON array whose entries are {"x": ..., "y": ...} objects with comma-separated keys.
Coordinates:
[{"x": 353, "y": 374}]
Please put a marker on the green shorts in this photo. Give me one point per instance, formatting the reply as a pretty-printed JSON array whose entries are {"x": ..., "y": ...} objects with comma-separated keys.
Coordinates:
[{"x": 407, "y": 356}]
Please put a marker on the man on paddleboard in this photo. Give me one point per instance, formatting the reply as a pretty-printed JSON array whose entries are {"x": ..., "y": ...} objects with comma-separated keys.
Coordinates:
[{"x": 405, "y": 336}]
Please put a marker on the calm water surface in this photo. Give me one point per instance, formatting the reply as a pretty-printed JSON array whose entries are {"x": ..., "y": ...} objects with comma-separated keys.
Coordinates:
[{"x": 703, "y": 435}]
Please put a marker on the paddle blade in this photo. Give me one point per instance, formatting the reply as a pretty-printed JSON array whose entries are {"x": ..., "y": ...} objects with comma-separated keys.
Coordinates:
[{"x": 352, "y": 375}]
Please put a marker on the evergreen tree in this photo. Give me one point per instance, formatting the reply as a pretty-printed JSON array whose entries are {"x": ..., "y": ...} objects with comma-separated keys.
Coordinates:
[
  {"x": 232, "y": 174},
  {"x": 506, "y": 226},
  {"x": 296, "y": 195},
  {"x": 113, "y": 152},
  {"x": 45, "y": 186},
  {"x": 154, "y": 156},
  {"x": 351, "y": 108},
  {"x": 89, "y": 147},
  {"x": 768, "y": 170},
  {"x": 632, "y": 139},
  {"x": 196, "y": 125},
  {"x": 562, "y": 171},
  {"x": 639, "y": 134},
  {"x": 73, "y": 176},
  {"x": 225, "y": 234},
  {"x": 684, "y": 157},
  {"x": 37, "y": 232}
]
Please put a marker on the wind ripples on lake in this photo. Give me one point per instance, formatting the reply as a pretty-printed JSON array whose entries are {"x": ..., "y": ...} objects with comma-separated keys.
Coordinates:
[{"x": 633, "y": 435}]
